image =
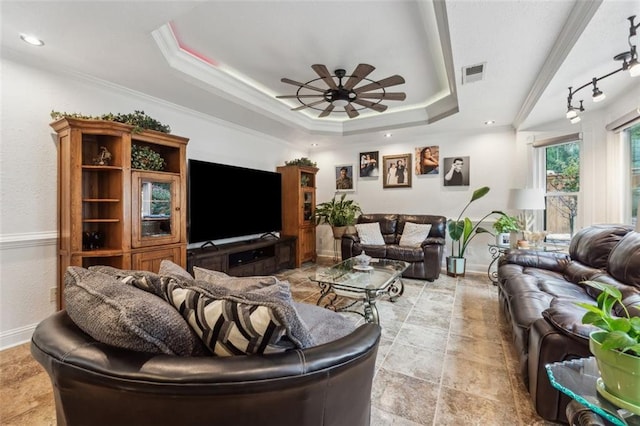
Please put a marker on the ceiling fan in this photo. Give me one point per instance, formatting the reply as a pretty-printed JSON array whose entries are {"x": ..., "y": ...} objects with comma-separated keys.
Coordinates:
[{"x": 344, "y": 95}]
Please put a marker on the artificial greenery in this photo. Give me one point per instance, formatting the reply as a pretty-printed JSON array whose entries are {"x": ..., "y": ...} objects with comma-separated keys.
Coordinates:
[
  {"x": 139, "y": 120},
  {"x": 462, "y": 230},
  {"x": 145, "y": 158},
  {"x": 337, "y": 212},
  {"x": 506, "y": 224},
  {"x": 304, "y": 161},
  {"x": 622, "y": 333}
]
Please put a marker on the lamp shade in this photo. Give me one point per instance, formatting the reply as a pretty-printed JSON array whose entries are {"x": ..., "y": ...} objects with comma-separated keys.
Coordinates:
[{"x": 526, "y": 199}]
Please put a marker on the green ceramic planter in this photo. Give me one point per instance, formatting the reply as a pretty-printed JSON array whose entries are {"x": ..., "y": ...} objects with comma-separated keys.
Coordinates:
[{"x": 620, "y": 372}]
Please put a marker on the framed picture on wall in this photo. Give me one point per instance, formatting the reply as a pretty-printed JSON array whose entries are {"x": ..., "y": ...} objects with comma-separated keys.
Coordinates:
[
  {"x": 344, "y": 178},
  {"x": 397, "y": 171},
  {"x": 369, "y": 164},
  {"x": 456, "y": 171},
  {"x": 428, "y": 160}
]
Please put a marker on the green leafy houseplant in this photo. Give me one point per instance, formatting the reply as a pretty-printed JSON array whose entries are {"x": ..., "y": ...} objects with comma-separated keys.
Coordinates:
[
  {"x": 506, "y": 224},
  {"x": 337, "y": 211},
  {"x": 462, "y": 230},
  {"x": 621, "y": 333}
]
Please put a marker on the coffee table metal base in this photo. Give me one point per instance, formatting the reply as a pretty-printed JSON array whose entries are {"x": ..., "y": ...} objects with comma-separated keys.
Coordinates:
[{"x": 368, "y": 297}]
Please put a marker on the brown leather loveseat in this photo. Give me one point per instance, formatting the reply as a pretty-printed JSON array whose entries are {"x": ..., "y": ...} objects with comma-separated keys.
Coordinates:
[
  {"x": 155, "y": 369},
  {"x": 425, "y": 261},
  {"x": 537, "y": 294}
]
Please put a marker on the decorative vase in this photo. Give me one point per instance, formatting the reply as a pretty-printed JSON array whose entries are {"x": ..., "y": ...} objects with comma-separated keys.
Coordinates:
[
  {"x": 456, "y": 266},
  {"x": 619, "y": 372}
]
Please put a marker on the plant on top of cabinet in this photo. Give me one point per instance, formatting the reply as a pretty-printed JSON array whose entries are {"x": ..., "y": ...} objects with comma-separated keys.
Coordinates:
[
  {"x": 304, "y": 161},
  {"x": 139, "y": 120}
]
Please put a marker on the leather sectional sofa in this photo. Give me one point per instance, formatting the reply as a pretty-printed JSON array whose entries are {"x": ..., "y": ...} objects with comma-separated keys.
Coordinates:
[
  {"x": 424, "y": 261},
  {"x": 537, "y": 294}
]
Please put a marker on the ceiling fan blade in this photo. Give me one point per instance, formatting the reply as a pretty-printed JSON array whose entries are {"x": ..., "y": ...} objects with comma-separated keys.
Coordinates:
[
  {"x": 295, "y": 83},
  {"x": 326, "y": 111},
  {"x": 358, "y": 74},
  {"x": 389, "y": 96},
  {"x": 351, "y": 111},
  {"x": 385, "y": 82},
  {"x": 324, "y": 73},
  {"x": 307, "y": 105},
  {"x": 374, "y": 106},
  {"x": 298, "y": 96}
]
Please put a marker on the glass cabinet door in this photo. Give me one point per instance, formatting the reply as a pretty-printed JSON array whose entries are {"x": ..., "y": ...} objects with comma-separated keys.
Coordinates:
[
  {"x": 307, "y": 205},
  {"x": 155, "y": 209}
]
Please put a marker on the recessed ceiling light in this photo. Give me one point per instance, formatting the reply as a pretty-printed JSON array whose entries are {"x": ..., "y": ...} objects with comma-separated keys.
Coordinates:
[
  {"x": 489, "y": 122},
  {"x": 387, "y": 135},
  {"x": 31, "y": 39},
  {"x": 314, "y": 144}
]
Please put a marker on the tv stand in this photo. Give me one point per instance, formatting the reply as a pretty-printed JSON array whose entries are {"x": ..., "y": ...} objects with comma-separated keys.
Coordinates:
[{"x": 241, "y": 259}]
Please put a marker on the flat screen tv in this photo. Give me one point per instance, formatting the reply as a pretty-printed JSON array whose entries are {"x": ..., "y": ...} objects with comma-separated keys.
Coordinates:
[{"x": 228, "y": 201}]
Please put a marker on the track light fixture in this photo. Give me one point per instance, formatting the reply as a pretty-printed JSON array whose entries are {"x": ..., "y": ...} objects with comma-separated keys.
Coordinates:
[{"x": 629, "y": 63}]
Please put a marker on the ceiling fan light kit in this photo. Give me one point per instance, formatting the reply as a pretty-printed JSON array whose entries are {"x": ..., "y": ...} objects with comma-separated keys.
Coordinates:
[
  {"x": 343, "y": 96},
  {"x": 629, "y": 63}
]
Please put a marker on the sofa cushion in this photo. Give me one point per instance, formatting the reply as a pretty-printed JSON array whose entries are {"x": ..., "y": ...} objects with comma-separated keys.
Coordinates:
[
  {"x": 566, "y": 316},
  {"x": 624, "y": 260},
  {"x": 324, "y": 325},
  {"x": 167, "y": 268},
  {"x": 369, "y": 234},
  {"x": 124, "y": 316},
  {"x": 414, "y": 234},
  {"x": 592, "y": 245},
  {"x": 235, "y": 323},
  {"x": 233, "y": 283}
]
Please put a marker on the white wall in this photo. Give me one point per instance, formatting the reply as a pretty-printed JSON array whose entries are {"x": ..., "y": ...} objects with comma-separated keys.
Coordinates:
[{"x": 493, "y": 156}]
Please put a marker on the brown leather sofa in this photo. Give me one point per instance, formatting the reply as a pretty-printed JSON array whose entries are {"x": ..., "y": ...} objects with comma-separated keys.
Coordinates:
[
  {"x": 98, "y": 384},
  {"x": 424, "y": 262},
  {"x": 537, "y": 294}
]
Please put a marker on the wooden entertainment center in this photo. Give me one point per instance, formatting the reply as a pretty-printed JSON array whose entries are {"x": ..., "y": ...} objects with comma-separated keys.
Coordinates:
[{"x": 246, "y": 258}]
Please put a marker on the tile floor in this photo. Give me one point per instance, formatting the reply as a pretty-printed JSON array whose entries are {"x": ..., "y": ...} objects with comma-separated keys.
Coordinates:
[{"x": 444, "y": 359}]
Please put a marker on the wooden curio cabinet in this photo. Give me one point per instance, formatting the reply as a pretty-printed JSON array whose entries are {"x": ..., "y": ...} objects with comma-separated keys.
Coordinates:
[
  {"x": 298, "y": 207},
  {"x": 111, "y": 214}
]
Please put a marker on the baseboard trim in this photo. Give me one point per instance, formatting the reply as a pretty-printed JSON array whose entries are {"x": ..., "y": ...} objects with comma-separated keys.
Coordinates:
[{"x": 16, "y": 337}]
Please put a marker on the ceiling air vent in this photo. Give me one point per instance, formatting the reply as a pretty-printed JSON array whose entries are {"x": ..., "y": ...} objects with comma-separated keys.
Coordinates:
[{"x": 473, "y": 73}]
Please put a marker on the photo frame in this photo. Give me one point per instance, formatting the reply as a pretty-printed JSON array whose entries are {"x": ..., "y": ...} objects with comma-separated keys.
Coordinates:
[
  {"x": 427, "y": 160},
  {"x": 456, "y": 171},
  {"x": 396, "y": 171},
  {"x": 345, "y": 181},
  {"x": 369, "y": 164}
]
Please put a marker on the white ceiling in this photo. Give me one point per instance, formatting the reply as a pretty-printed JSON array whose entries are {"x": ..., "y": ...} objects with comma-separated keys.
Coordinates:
[{"x": 226, "y": 58}]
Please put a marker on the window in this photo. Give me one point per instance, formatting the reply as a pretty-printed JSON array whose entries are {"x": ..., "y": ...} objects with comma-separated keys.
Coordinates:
[
  {"x": 634, "y": 138},
  {"x": 562, "y": 185}
]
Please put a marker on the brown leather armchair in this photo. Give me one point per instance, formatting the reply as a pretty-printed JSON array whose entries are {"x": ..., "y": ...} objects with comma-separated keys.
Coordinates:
[
  {"x": 425, "y": 261},
  {"x": 98, "y": 384}
]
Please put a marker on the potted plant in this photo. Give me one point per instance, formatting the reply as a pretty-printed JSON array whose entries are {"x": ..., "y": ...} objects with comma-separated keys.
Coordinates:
[
  {"x": 504, "y": 226},
  {"x": 616, "y": 346},
  {"x": 462, "y": 231},
  {"x": 339, "y": 213}
]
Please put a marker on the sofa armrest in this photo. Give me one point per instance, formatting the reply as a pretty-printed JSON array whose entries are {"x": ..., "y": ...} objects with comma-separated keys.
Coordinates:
[
  {"x": 346, "y": 245},
  {"x": 551, "y": 261},
  {"x": 433, "y": 240}
]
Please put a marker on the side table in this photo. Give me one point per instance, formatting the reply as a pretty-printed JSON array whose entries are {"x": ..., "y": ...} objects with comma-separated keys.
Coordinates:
[
  {"x": 495, "y": 251},
  {"x": 577, "y": 379}
]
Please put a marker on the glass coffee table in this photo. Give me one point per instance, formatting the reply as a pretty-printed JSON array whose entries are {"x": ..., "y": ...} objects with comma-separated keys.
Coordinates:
[
  {"x": 577, "y": 379},
  {"x": 361, "y": 283}
]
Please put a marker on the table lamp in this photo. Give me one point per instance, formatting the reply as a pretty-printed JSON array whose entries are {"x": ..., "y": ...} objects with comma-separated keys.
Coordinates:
[{"x": 527, "y": 200}]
